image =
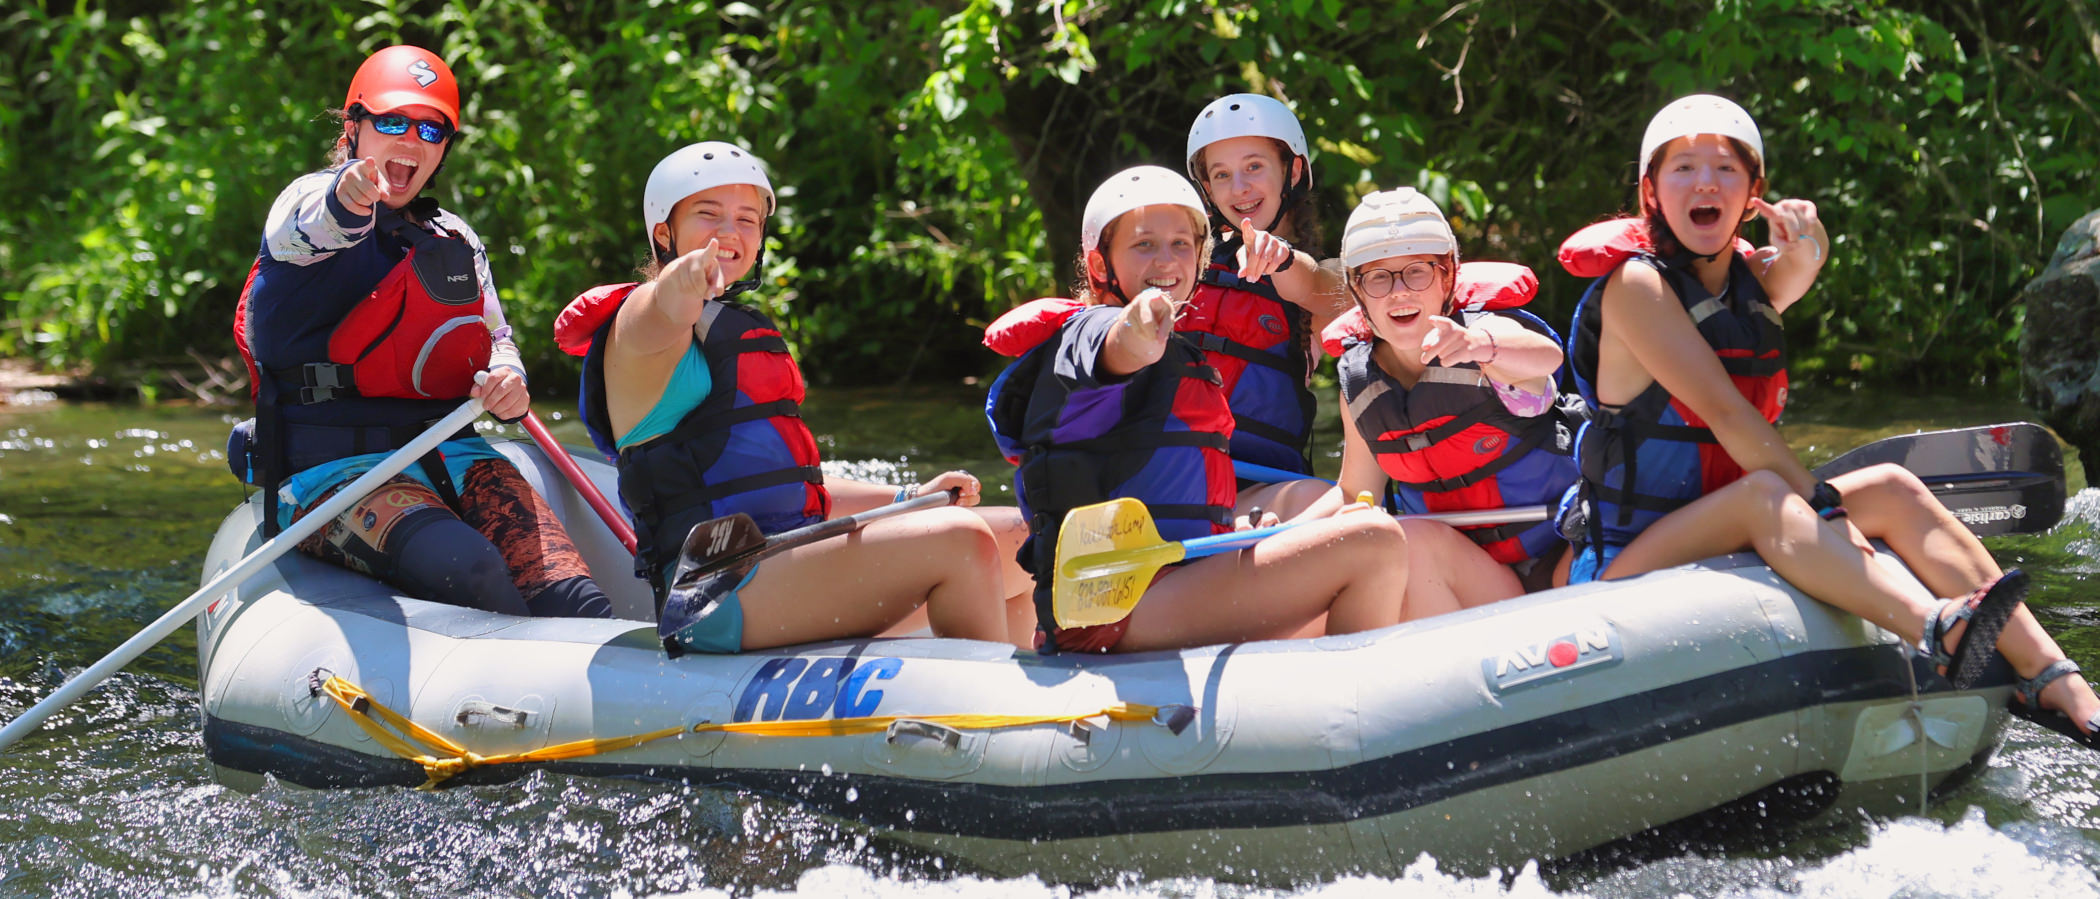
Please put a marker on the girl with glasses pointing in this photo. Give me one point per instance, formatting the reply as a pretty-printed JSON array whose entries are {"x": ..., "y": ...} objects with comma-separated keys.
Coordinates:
[{"x": 1448, "y": 399}]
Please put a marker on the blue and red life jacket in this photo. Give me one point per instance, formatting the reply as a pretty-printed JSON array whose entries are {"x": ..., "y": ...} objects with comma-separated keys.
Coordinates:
[
  {"x": 1449, "y": 444},
  {"x": 1261, "y": 346},
  {"x": 1160, "y": 436},
  {"x": 743, "y": 449},
  {"x": 1653, "y": 455},
  {"x": 345, "y": 366}
]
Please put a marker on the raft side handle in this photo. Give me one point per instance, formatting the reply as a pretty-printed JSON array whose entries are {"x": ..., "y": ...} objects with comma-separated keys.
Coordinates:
[
  {"x": 472, "y": 709},
  {"x": 948, "y": 737},
  {"x": 1175, "y": 718}
]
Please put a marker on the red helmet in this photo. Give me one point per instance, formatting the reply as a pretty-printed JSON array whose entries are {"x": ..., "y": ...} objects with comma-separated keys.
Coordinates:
[{"x": 401, "y": 76}]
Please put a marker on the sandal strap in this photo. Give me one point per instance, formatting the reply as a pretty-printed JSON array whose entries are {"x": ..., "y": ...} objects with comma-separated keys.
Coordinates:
[
  {"x": 2030, "y": 689},
  {"x": 1939, "y": 623}
]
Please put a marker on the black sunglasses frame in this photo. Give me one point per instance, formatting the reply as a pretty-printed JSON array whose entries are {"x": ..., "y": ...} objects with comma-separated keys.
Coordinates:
[{"x": 1400, "y": 277}]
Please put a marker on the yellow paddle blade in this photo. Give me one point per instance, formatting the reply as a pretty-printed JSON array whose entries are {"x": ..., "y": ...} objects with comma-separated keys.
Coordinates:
[{"x": 1107, "y": 554}]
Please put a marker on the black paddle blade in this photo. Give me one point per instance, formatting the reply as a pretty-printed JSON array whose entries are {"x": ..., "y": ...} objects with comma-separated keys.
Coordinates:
[
  {"x": 682, "y": 621},
  {"x": 2018, "y": 503},
  {"x": 715, "y": 543},
  {"x": 1998, "y": 479}
]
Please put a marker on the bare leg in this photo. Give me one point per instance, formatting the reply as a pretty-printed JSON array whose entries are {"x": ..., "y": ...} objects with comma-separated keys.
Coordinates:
[
  {"x": 1447, "y": 571},
  {"x": 1762, "y": 512},
  {"x": 1286, "y": 499},
  {"x": 860, "y": 583},
  {"x": 1352, "y": 568},
  {"x": 1889, "y": 502},
  {"x": 1015, "y": 583}
]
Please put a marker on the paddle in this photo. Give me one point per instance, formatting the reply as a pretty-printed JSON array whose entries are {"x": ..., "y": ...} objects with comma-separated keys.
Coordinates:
[
  {"x": 1998, "y": 479},
  {"x": 263, "y": 555},
  {"x": 720, "y": 553},
  {"x": 1268, "y": 475},
  {"x": 559, "y": 455},
  {"x": 1108, "y": 553}
]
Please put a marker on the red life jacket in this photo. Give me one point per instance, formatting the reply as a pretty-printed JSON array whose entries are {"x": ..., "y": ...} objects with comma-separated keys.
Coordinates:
[
  {"x": 418, "y": 335},
  {"x": 1261, "y": 345},
  {"x": 1449, "y": 444}
]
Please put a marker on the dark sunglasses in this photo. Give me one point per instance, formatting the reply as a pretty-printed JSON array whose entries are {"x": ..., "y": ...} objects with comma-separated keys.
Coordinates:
[
  {"x": 396, "y": 123},
  {"x": 1377, "y": 282}
]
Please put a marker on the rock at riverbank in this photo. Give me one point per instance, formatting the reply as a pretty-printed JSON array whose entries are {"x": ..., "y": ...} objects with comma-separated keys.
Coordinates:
[{"x": 2060, "y": 343}]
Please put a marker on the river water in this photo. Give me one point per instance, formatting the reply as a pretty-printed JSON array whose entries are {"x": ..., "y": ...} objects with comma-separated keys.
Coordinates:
[{"x": 105, "y": 513}]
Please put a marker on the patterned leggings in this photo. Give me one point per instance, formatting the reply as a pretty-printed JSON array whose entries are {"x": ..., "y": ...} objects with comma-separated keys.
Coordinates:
[{"x": 504, "y": 550}]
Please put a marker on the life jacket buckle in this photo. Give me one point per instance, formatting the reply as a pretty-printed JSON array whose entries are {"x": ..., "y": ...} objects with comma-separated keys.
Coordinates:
[{"x": 323, "y": 381}]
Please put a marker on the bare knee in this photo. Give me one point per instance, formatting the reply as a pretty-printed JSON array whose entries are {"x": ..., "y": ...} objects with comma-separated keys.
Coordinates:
[
  {"x": 1371, "y": 533},
  {"x": 1884, "y": 486},
  {"x": 1764, "y": 487}
]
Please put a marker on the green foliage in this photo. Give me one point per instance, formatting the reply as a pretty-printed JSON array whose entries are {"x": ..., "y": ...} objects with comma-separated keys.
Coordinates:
[{"x": 932, "y": 159}]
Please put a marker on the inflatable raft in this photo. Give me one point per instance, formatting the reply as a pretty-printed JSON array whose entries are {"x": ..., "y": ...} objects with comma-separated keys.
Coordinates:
[{"x": 1535, "y": 728}]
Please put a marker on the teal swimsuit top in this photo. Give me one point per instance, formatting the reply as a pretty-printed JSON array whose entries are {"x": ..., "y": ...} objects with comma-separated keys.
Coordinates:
[{"x": 690, "y": 384}]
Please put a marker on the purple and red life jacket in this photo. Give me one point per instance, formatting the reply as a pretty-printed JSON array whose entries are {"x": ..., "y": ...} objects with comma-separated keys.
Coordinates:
[{"x": 1160, "y": 436}]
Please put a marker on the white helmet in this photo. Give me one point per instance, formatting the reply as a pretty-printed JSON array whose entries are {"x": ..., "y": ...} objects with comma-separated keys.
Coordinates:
[
  {"x": 1136, "y": 188},
  {"x": 692, "y": 169},
  {"x": 1246, "y": 115},
  {"x": 1700, "y": 114},
  {"x": 1397, "y": 222}
]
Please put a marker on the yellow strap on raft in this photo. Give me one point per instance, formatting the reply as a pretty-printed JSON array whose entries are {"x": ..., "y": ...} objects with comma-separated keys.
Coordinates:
[{"x": 442, "y": 759}]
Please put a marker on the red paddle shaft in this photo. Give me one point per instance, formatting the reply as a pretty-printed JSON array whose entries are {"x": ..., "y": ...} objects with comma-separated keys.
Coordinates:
[{"x": 576, "y": 477}]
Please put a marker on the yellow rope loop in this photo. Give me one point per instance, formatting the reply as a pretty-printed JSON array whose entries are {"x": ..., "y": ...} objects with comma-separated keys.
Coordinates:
[{"x": 442, "y": 759}]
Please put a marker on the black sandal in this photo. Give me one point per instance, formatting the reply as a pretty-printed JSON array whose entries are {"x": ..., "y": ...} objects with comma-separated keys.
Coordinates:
[
  {"x": 2029, "y": 705},
  {"x": 1987, "y": 610}
]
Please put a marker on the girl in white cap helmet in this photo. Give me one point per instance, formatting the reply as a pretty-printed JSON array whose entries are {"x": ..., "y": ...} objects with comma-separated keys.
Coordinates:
[
  {"x": 1110, "y": 401},
  {"x": 698, "y": 400},
  {"x": 1451, "y": 404},
  {"x": 1262, "y": 297},
  {"x": 1682, "y": 342}
]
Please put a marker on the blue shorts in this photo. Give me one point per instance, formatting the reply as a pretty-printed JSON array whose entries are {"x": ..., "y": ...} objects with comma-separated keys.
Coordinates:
[
  {"x": 303, "y": 489},
  {"x": 719, "y": 629},
  {"x": 1587, "y": 566}
]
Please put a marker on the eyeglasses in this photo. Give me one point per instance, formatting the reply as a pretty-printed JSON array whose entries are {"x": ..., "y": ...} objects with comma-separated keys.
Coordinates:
[
  {"x": 1377, "y": 282},
  {"x": 396, "y": 123}
]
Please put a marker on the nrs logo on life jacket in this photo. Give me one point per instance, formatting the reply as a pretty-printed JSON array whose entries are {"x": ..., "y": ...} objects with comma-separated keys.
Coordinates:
[{"x": 1525, "y": 664}]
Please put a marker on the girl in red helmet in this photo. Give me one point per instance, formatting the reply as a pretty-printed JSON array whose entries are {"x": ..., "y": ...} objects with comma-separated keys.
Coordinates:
[
  {"x": 1679, "y": 354},
  {"x": 368, "y": 314},
  {"x": 696, "y": 397}
]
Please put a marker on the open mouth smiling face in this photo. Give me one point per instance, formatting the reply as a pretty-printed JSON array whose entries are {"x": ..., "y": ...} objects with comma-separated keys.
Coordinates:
[{"x": 1702, "y": 186}]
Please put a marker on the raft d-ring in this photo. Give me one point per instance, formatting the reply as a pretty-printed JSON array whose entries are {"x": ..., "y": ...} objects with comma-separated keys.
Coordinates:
[
  {"x": 1175, "y": 718},
  {"x": 948, "y": 737}
]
